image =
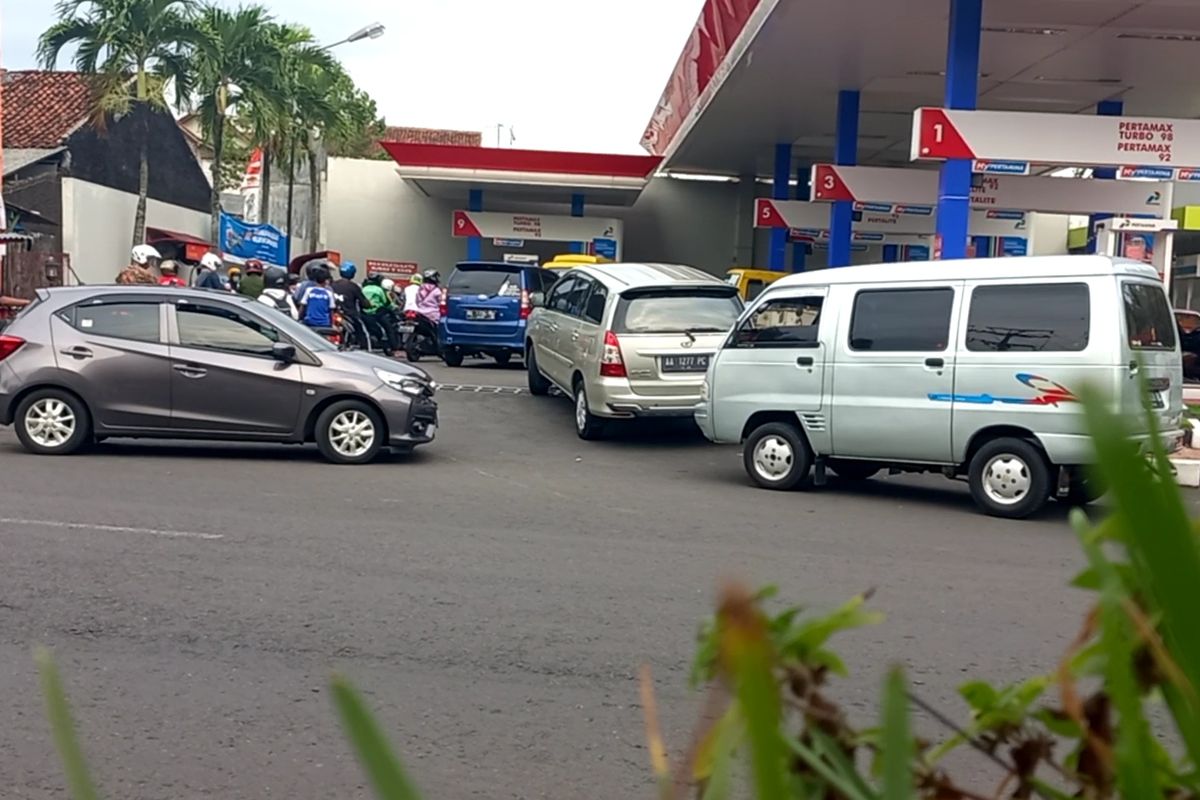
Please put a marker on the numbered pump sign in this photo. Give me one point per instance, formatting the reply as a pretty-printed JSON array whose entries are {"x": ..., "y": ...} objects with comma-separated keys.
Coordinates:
[{"x": 1140, "y": 147}]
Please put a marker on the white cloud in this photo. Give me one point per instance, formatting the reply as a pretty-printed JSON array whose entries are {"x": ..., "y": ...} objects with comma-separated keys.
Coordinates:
[{"x": 565, "y": 74}]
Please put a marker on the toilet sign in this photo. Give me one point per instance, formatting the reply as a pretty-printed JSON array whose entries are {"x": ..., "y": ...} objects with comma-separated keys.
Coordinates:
[{"x": 1080, "y": 139}]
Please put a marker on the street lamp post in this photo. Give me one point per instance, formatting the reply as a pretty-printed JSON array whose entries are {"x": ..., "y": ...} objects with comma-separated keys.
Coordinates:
[{"x": 372, "y": 31}]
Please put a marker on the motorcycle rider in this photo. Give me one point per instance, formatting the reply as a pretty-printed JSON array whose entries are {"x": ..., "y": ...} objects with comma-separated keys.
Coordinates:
[
  {"x": 275, "y": 292},
  {"x": 318, "y": 301},
  {"x": 351, "y": 301},
  {"x": 142, "y": 261},
  {"x": 252, "y": 284},
  {"x": 233, "y": 281},
  {"x": 210, "y": 273},
  {"x": 170, "y": 274},
  {"x": 429, "y": 296},
  {"x": 411, "y": 291},
  {"x": 380, "y": 313}
]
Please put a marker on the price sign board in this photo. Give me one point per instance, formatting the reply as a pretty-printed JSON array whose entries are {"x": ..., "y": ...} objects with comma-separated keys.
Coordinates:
[
  {"x": 914, "y": 191},
  {"x": 797, "y": 214},
  {"x": 1072, "y": 139}
]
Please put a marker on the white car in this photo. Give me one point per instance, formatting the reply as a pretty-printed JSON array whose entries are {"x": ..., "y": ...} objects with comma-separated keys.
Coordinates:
[{"x": 628, "y": 340}]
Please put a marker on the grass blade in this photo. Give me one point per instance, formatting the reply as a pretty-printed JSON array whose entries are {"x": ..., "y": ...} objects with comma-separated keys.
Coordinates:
[
  {"x": 896, "y": 739},
  {"x": 63, "y": 727},
  {"x": 383, "y": 768},
  {"x": 838, "y": 782}
]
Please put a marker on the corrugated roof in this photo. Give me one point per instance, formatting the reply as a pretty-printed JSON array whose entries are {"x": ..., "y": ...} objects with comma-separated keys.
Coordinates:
[
  {"x": 17, "y": 157},
  {"x": 432, "y": 136},
  {"x": 42, "y": 108}
]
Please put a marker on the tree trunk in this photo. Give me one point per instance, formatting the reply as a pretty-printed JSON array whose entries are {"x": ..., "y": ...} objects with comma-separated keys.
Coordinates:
[
  {"x": 314, "y": 195},
  {"x": 264, "y": 193},
  {"x": 218, "y": 139},
  {"x": 142, "y": 109}
]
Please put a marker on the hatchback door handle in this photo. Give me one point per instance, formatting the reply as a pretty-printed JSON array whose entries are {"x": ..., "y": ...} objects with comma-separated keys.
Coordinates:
[
  {"x": 805, "y": 361},
  {"x": 575, "y": 336},
  {"x": 935, "y": 363},
  {"x": 76, "y": 352},
  {"x": 190, "y": 371}
]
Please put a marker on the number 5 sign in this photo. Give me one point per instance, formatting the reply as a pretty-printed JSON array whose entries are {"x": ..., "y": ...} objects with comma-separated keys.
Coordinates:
[{"x": 1068, "y": 139}]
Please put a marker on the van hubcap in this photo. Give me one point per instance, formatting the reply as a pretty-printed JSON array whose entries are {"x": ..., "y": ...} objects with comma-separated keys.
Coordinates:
[
  {"x": 1006, "y": 479},
  {"x": 581, "y": 410},
  {"x": 50, "y": 422},
  {"x": 351, "y": 433},
  {"x": 773, "y": 457}
]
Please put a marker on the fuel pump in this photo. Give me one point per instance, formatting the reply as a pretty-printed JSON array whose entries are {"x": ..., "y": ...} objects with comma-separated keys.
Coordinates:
[{"x": 1151, "y": 241}]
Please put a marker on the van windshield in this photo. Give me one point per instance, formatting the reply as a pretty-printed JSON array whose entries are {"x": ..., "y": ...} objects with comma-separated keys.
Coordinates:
[
  {"x": 489, "y": 282},
  {"x": 1148, "y": 318}
]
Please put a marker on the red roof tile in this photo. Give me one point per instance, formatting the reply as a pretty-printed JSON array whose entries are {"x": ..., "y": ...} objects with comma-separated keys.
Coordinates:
[
  {"x": 432, "y": 136},
  {"x": 41, "y": 108}
]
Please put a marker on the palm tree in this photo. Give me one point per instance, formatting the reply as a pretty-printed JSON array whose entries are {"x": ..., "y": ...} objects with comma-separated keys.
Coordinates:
[
  {"x": 232, "y": 66},
  {"x": 134, "y": 49}
]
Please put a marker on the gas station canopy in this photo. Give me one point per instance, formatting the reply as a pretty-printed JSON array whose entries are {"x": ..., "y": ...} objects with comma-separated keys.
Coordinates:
[
  {"x": 529, "y": 176},
  {"x": 759, "y": 72}
]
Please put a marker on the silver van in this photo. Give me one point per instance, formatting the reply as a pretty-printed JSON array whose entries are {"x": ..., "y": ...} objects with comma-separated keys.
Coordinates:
[{"x": 969, "y": 368}]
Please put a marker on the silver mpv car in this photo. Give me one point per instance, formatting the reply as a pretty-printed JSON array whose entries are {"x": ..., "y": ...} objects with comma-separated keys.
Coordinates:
[{"x": 87, "y": 363}]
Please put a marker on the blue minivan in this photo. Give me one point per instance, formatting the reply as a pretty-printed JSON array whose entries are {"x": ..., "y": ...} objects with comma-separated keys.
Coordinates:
[{"x": 486, "y": 307}]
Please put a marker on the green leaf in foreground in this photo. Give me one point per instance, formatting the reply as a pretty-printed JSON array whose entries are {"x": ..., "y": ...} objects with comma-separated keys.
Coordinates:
[
  {"x": 384, "y": 769},
  {"x": 896, "y": 739},
  {"x": 63, "y": 728}
]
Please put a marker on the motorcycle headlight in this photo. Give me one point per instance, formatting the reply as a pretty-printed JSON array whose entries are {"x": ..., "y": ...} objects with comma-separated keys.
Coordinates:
[{"x": 403, "y": 383}]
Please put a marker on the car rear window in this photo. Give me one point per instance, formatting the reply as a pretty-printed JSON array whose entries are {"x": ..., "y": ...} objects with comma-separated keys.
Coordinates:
[
  {"x": 490, "y": 282},
  {"x": 676, "y": 311},
  {"x": 1148, "y": 318}
]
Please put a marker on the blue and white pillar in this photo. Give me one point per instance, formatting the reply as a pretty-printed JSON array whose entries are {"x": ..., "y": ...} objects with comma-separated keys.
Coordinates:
[
  {"x": 845, "y": 154},
  {"x": 777, "y": 257},
  {"x": 1105, "y": 108},
  {"x": 962, "y": 91},
  {"x": 577, "y": 201},
  {"x": 474, "y": 243},
  {"x": 800, "y": 249}
]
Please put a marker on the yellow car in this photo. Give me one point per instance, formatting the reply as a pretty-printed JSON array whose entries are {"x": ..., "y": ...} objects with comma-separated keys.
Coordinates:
[
  {"x": 750, "y": 281},
  {"x": 569, "y": 260}
]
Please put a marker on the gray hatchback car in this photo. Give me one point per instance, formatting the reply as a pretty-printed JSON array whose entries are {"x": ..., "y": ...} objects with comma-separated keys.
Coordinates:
[{"x": 83, "y": 364}]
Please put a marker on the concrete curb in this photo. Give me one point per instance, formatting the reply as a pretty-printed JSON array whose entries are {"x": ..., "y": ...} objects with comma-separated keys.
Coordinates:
[{"x": 1187, "y": 471}]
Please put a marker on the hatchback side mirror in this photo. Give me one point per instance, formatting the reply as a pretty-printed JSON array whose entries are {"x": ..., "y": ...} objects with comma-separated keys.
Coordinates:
[
  {"x": 283, "y": 352},
  {"x": 537, "y": 300}
]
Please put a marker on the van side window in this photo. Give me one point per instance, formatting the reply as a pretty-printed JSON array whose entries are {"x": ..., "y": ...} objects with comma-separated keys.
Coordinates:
[
  {"x": 597, "y": 300},
  {"x": 1041, "y": 317},
  {"x": 787, "y": 322},
  {"x": 901, "y": 320},
  {"x": 754, "y": 287},
  {"x": 1148, "y": 318}
]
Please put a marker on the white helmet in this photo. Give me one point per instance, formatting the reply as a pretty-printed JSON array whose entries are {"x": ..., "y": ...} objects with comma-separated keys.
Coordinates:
[
  {"x": 210, "y": 261},
  {"x": 142, "y": 254},
  {"x": 388, "y": 284}
]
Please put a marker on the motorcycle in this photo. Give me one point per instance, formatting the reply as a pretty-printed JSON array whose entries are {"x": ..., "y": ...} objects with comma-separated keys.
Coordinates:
[{"x": 420, "y": 336}]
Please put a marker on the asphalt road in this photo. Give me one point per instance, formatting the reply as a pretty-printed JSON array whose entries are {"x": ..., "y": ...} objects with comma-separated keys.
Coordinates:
[{"x": 494, "y": 595}]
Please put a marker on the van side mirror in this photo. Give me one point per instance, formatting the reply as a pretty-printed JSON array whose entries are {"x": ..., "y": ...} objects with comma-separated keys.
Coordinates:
[{"x": 283, "y": 352}]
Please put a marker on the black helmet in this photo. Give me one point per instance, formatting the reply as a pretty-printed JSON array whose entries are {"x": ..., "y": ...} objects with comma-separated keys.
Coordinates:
[
  {"x": 432, "y": 276},
  {"x": 275, "y": 278},
  {"x": 374, "y": 278}
]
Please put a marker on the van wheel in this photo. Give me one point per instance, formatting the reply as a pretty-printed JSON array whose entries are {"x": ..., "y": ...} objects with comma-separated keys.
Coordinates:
[
  {"x": 52, "y": 422},
  {"x": 1084, "y": 488},
  {"x": 1009, "y": 478},
  {"x": 350, "y": 432},
  {"x": 854, "y": 471},
  {"x": 453, "y": 357},
  {"x": 538, "y": 384},
  {"x": 587, "y": 424},
  {"x": 776, "y": 456}
]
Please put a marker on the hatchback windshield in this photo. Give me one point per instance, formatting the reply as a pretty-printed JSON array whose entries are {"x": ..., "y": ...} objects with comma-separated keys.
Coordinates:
[
  {"x": 301, "y": 334},
  {"x": 676, "y": 312},
  {"x": 489, "y": 282}
]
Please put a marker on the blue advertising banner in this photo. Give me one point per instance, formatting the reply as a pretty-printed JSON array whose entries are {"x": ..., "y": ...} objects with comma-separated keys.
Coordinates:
[
  {"x": 605, "y": 248},
  {"x": 245, "y": 240}
]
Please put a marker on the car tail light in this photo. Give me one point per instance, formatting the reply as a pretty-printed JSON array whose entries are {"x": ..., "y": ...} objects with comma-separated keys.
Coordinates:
[
  {"x": 9, "y": 345},
  {"x": 444, "y": 304},
  {"x": 612, "y": 365},
  {"x": 526, "y": 305}
]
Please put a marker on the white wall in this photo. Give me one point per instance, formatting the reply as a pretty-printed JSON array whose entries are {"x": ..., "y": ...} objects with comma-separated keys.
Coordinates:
[
  {"x": 368, "y": 211},
  {"x": 1048, "y": 234},
  {"x": 97, "y": 227}
]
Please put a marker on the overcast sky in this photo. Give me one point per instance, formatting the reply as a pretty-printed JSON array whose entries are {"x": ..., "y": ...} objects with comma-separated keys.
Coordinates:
[{"x": 565, "y": 74}]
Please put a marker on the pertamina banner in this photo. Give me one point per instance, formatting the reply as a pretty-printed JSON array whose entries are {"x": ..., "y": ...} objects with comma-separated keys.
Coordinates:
[{"x": 540, "y": 227}]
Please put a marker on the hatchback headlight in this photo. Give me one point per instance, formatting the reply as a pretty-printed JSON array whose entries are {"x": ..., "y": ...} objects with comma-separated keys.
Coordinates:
[{"x": 403, "y": 383}]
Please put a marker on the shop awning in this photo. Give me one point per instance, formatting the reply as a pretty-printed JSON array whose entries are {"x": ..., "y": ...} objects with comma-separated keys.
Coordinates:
[{"x": 194, "y": 247}]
